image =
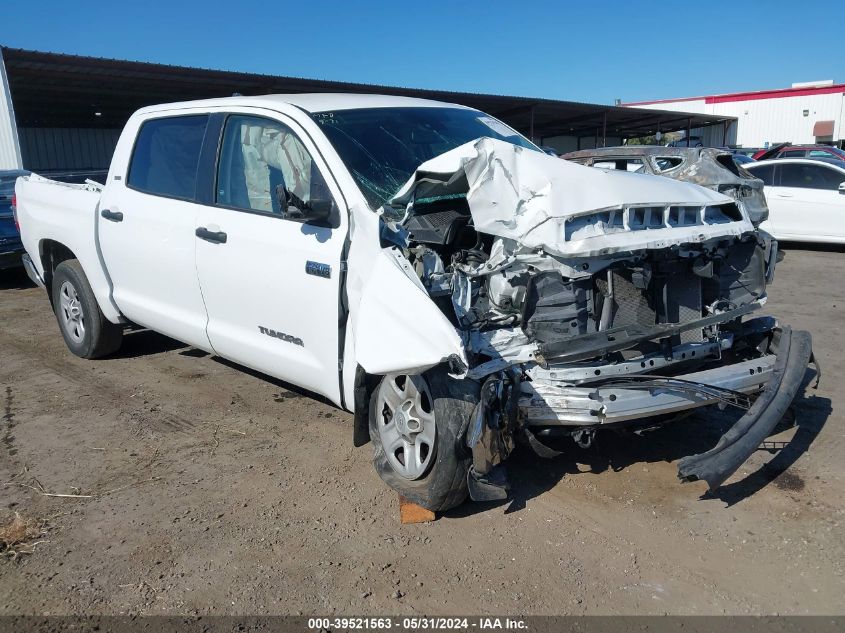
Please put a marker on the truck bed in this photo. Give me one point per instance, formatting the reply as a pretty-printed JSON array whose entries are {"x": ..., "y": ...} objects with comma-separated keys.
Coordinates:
[{"x": 67, "y": 214}]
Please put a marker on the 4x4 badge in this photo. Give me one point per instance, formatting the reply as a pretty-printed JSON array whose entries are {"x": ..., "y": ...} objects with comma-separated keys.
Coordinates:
[{"x": 318, "y": 270}]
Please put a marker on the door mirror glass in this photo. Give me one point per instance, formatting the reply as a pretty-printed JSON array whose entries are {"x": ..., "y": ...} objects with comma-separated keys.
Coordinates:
[{"x": 314, "y": 211}]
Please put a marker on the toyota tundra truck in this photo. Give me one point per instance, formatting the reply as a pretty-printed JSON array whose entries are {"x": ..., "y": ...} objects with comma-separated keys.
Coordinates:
[{"x": 425, "y": 267}]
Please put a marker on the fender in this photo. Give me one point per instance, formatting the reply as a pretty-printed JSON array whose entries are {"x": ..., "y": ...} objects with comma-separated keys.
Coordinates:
[
  {"x": 395, "y": 326},
  {"x": 398, "y": 328}
]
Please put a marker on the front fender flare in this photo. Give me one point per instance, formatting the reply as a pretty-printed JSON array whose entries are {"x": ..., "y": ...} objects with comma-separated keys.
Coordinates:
[{"x": 396, "y": 326}]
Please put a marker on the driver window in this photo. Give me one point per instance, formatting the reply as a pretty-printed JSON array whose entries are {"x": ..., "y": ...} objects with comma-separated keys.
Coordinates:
[{"x": 264, "y": 167}]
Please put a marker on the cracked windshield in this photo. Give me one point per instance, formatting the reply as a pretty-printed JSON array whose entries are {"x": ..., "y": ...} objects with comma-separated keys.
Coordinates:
[{"x": 382, "y": 147}]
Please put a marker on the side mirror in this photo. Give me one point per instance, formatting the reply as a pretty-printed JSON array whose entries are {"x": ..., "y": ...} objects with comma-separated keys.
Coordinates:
[
  {"x": 842, "y": 188},
  {"x": 317, "y": 212}
]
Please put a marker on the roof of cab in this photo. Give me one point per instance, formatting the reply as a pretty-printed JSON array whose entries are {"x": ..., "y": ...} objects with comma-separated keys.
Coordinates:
[{"x": 310, "y": 102}]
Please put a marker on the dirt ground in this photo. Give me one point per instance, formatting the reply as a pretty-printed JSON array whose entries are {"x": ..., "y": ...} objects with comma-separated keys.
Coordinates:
[{"x": 203, "y": 488}]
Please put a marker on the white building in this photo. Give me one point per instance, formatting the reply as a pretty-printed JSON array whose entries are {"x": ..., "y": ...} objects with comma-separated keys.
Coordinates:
[{"x": 805, "y": 113}]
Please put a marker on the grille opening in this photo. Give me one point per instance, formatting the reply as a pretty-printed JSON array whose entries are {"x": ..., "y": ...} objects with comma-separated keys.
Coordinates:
[
  {"x": 683, "y": 216},
  {"x": 722, "y": 214},
  {"x": 646, "y": 218},
  {"x": 592, "y": 224}
]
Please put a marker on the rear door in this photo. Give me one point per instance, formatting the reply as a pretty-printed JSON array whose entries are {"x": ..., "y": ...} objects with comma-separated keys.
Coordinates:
[
  {"x": 812, "y": 207},
  {"x": 270, "y": 282},
  {"x": 146, "y": 230}
]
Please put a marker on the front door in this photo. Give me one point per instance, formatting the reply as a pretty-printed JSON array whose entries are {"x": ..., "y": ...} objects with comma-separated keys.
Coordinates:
[{"x": 270, "y": 282}]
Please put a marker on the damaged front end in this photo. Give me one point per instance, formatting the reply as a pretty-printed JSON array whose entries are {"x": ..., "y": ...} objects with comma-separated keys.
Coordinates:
[{"x": 587, "y": 299}]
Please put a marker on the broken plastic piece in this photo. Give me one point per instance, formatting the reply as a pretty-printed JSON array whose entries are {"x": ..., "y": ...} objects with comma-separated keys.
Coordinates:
[
  {"x": 493, "y": 486},
  {"x": 794, "y": 350}
]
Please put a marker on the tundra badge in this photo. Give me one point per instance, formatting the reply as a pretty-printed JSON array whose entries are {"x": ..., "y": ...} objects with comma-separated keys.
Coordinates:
[{"x": 280, "y": 335}]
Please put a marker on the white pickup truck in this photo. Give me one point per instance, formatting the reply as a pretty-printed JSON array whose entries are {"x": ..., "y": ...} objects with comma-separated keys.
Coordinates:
[{"x": 427, "y": 268}]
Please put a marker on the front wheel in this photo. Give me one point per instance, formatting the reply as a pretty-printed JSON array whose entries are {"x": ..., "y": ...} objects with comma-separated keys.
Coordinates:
[
  {"x": 86, "y": 330},
  {"x": 417, "y": 425}
]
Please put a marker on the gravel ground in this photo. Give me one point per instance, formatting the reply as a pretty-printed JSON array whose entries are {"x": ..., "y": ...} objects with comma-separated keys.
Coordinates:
[{"x": 206, "y": 489}]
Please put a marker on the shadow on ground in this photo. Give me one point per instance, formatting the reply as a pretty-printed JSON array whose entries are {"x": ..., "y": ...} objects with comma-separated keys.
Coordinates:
[
  {"x": 141, "y": 342},
  {"x": 807, "y": 246},
  {"x": 14, "y": 279}
]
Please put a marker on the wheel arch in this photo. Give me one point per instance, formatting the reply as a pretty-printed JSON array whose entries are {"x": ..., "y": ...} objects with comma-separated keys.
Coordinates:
[{"x": 52, "y": 253}]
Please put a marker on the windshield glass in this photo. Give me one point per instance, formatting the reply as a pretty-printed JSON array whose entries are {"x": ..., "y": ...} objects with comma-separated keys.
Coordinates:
[{"x": 382, "y": 147}]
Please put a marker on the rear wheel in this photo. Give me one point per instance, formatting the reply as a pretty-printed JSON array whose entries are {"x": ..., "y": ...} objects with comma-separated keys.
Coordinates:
[
  {"x": 86, "y": 331},
  {"x": 417, "y": 425}
]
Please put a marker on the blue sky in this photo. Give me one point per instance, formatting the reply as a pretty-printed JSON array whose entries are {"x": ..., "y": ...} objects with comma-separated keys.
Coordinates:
[{"x": 592, "y": 51}]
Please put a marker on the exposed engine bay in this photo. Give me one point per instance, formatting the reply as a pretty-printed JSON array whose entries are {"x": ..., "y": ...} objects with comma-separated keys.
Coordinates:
[
  {"x": 575, "y": 313},
  {"x": 546, "y": 309}
]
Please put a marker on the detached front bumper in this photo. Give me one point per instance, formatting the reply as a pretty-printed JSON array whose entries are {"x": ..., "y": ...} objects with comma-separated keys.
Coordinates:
[
  {"x": 778, "y": 375},
  {"x": 794, "y": 351},
  {"x": 547, "y": 405}
]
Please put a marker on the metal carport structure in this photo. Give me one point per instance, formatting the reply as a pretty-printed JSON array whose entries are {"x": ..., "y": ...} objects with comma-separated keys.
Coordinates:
[{"x": 67, "y": 110}]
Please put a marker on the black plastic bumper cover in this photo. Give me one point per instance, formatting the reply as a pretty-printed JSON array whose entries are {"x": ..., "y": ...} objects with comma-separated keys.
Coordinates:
[{"x": 794, "y": 351}]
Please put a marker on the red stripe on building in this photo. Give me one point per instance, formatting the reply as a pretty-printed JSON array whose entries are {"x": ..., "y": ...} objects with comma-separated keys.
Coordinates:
[
  {"x": 752, "y": 96},
  {"x": 776, "y": 94}
]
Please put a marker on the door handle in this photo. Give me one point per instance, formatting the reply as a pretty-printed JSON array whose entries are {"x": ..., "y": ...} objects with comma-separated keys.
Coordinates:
[
  {"x": 114, "y": 216},
  {"x": 218, "y": 237},
  {"x": 784, "y": 195}
]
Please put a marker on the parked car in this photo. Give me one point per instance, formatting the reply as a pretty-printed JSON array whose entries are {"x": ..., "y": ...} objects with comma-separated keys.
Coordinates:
[
  {"x": 785, "y": 150},
  {"x": 713, "y": 168},
  {"x": 806, "y": 198},
  {"x": 11, "y": 247},
  {"x": 429, "y": 269}
]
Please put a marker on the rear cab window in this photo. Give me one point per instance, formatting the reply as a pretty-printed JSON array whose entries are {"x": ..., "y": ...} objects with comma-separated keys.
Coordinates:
[{"x": 166, "y": 156}]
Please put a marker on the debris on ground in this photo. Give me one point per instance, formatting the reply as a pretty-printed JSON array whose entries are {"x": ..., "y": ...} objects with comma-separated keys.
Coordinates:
[{"x": 18, "y": 535}]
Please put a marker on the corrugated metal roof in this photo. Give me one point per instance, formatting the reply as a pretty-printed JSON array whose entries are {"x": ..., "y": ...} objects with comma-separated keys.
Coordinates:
[{"x": 59, "y": 90}]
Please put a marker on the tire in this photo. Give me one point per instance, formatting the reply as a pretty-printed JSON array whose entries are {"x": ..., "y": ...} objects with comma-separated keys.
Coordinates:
[
  {"x": 437, "y": 481},
  {"x": 87, "y": 333}
]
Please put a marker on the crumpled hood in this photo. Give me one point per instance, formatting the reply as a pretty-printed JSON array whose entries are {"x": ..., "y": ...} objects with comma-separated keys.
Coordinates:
[{"x": 566, "y": 209}]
